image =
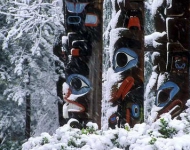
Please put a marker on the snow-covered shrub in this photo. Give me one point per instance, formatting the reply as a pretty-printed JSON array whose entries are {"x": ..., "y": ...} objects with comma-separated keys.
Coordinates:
[
  {"x": 165, "y": 130},
  {"x": 163, "y": 134}
]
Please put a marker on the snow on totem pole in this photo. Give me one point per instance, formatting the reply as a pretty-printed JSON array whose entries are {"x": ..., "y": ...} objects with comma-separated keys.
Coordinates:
[
  {"x": 168, "y": 47},
  {"x": 124, "y": 81}
]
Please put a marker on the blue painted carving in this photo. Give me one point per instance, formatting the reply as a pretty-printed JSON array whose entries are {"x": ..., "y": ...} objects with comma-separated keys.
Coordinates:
[
  {"x": 78, "y": 84},
  {"x": 75, "y": 7},
  {"x": 124, "y": 59},
  {"x": 135, "y": 110},
  {"x": 166, "y": 93}
]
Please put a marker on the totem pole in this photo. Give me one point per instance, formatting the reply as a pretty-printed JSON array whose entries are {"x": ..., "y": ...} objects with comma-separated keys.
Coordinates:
[
  {"x": 79, "y": 49},
  {"x": 170, "y": 57},
  {"x": 126, "y": 57}
]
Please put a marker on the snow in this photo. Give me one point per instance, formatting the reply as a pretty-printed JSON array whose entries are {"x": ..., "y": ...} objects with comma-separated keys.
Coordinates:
[
  {"x": 92, "y": 125},
  {"x": 151, "y": 39},
  {"x": 141, "y": 136},
  {"x": 111, "y": 78},
  {"x": 151, "y": 84},
  {"x": 115, "y": 34},
  {"x": 65, "y": 90},
  {"x": 137, "y": 138},
  {"x": 155, "y": 5}
]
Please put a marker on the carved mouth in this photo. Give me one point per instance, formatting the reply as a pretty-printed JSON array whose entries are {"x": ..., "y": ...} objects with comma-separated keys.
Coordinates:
[
  {"x": 174, "y": 108},
  {"x": 72, "y": 105},
  {"x": 75, "y": 106}
]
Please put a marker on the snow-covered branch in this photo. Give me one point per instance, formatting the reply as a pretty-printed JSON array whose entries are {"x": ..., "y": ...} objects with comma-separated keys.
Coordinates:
[
  {"x": 33, "y": 17},
  {"x": 29, "y": 37}
]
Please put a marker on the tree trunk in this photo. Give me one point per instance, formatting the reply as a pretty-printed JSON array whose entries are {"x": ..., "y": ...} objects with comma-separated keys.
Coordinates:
[{"x": 28, "y": 112}]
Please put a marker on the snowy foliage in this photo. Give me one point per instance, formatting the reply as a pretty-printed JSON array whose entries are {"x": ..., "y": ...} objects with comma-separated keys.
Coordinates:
[
  {"x": 11, "y": 121},
  {"x": 27, "y": 66},
  {"x": 32, "y": 27},
  {"x": 165, "y": 133}
]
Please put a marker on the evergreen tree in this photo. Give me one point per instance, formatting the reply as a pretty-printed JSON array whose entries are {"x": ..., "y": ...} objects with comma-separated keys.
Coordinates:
[{"x": 27, "y": 62}]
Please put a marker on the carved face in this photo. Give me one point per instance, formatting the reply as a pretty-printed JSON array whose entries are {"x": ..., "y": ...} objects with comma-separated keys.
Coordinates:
[
  {"x": 179, "y": 64},
  {"x": 75, "y": 87}
]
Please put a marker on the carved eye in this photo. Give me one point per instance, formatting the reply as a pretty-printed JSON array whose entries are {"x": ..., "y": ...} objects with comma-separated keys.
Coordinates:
[
  {"x": 78, "y": 84},
  {"x": 166, "y": 93},
  {"x": 124, "y": 59}
]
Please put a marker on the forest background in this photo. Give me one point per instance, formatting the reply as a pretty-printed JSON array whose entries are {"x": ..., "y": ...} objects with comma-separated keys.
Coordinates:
[{"x": 28, "y": 29}]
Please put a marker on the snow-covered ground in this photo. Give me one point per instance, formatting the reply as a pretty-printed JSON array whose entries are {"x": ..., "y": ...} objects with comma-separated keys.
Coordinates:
[{"x": 163, "y": 134}]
